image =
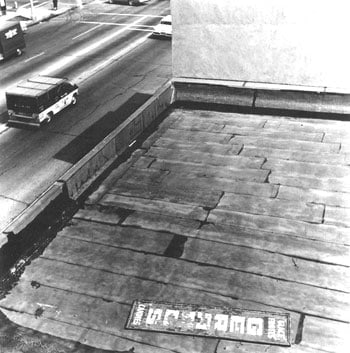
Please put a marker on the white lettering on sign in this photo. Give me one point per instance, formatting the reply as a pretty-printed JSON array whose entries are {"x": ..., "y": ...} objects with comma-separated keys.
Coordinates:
[
  {"x": 154, "y": 316},
  {"x": 271, "y": 328},
  {"x": 205, "y": 322},
  {"x": 139, "y": 314},
  {"x": 188, "y": 318},
  {"x": 11, "y": 33},
  {"x": 221, "y": 322},
  {"x": 237, "y": 324},
  {"x": 281, "y": 330},
  {"x": 250, "y": 325},
  {"x": 170, "y": 316},
  {"x": 255, "y": 326}
]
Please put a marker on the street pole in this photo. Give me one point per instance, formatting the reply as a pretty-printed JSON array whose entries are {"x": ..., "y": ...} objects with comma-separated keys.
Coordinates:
[{"x": 32, "y": 10}]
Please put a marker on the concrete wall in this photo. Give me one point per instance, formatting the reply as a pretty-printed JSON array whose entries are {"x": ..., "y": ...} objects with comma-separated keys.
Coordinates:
[{"x": 294, "y": 42}]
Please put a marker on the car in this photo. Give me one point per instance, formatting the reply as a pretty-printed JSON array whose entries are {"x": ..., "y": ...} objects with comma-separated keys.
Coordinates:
[
  {"x": 164, "y": 28},
  {"x": 11, "y": 40},
  {"x": 128, "y": 2}
]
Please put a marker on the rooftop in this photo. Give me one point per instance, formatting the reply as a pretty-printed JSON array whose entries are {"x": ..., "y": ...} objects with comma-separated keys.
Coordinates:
[{"x": 215, "y": 208}]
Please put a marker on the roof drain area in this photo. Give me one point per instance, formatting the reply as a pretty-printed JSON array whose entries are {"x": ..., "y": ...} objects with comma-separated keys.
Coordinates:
[
  {"x": 22, "y": 248},
  {"x": 176, "y": 247}
]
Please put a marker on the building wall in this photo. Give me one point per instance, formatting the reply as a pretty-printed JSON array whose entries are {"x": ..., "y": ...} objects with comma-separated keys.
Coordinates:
[{"x": 276, "y": 41}]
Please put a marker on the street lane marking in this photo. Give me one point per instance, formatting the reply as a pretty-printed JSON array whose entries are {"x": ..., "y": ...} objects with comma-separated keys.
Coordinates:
[
  {"x": 66, "y": 60},
  {"x": 28, "y": 5},
  {"x": 34, "y": 4},
  {"x": 33, "y": 57},
  {"x": 118, "y": 24},
  {"x": 87, "y": 74},
  {"x": 128, "y": 14},
  {"x": 3, "y": 127},
  {"x": 89, "y": 30},
  {"x": 42, "y": 4}
]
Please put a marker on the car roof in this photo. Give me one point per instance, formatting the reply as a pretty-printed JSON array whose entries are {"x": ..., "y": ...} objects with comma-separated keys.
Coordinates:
[
  {"x": 23, "y": 91},
  {"x": 35, "y": 86},
  {"x": 48, "y": 80}
]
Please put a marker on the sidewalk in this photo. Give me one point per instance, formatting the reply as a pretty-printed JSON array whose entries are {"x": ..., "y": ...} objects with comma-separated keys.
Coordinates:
[{"x": 41, "y": 12}]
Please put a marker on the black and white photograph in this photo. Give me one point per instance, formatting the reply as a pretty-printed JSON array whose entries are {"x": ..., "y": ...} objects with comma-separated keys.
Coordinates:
[{"x": 174, "y": 176}]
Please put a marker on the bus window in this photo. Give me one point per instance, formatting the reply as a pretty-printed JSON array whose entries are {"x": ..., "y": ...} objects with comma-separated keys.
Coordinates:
[
  {"x": 54, "y": 95},
  {"x": 22, "y": 104}
]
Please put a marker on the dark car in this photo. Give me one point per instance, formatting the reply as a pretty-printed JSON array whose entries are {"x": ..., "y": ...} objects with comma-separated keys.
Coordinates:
[{"x": 11, "y": 40}]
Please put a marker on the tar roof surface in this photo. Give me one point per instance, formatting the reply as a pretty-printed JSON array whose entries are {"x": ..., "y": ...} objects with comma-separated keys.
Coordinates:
[{"x": 226, "y": 209}]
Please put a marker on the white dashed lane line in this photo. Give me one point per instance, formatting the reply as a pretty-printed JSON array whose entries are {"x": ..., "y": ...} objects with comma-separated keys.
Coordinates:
[
  {"x": 129, "y": 14},
  {"x": 132, "y": 27},
  {"x": 59, "y": 64},
  {"x": 88, "y": 31},
  {"x": 3, "y": 127},
  {"x": 87, "y": 74},
  {"x": 34, "y": 57}
]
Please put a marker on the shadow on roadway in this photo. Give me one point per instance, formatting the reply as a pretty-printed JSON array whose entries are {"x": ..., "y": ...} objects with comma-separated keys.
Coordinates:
[{"x": 89, "y": 138}]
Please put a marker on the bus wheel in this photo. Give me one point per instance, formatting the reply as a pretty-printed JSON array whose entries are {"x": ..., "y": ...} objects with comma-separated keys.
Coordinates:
[
  {"x": 74, "y": 100},
  {"x": 48, "y": 117}
]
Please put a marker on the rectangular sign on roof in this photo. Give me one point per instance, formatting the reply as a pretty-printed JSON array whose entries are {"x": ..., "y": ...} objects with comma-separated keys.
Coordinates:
[{"x": 227, "y": 323}]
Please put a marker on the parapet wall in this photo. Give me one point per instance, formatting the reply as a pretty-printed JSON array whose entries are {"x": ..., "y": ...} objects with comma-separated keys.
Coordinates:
[{"x": 290, "y": 42}]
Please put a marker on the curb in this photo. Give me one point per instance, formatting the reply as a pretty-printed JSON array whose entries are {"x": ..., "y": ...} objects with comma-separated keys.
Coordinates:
[
  {"x": 316, "y": 102},
  {"x": 255, "y": 95},
  {"x": 80, "y": 176},
  {"x": 34, "y": 209},
  {"x": 213, "y": 94},
  {"x": 89, "y": 168},
  {"x": 50, "y": 15}
]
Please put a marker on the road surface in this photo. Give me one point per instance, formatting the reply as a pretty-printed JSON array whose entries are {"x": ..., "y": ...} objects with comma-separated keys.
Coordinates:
[{"x": 106, "y": 49}]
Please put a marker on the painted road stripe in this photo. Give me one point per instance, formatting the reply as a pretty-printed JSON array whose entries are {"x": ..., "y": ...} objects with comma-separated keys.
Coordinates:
[
  {"x": 33, "y": 57},
  {"x": 87, "y": 74},
  {"x": 3, "y": 127},
  {"x": 28, "y": 5},
  {"x": 128, "y": 14},
  {"x": 42, "y": 4},
  {"x": 86, "y": 32},
  {"x": 68, "y": 59},
  {"x": 118, "y": 24}
]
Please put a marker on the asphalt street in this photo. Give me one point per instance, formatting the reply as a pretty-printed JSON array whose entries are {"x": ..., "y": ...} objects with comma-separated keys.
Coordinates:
[{"x": 107, "y": 50}]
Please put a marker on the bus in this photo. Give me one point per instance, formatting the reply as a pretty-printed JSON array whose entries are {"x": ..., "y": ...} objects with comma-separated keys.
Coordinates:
[{"x": 37, "y": 100}]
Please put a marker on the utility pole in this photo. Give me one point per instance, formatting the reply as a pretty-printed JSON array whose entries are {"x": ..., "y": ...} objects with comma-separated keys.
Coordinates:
[
  {"x": 32, "y": 10},
  {"x": 3, "y": 7}
]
